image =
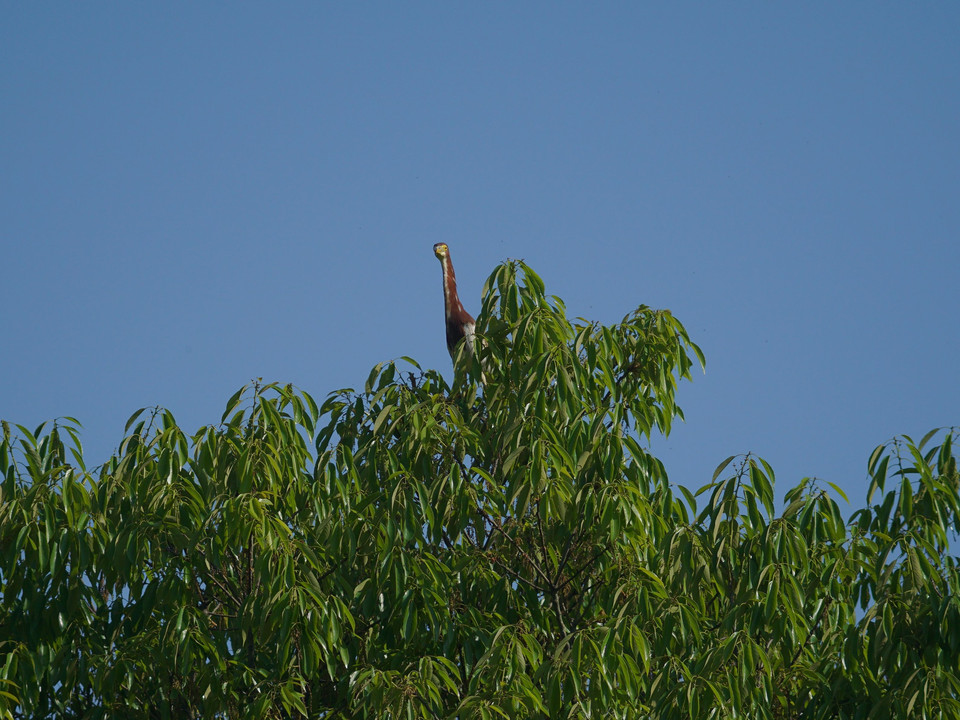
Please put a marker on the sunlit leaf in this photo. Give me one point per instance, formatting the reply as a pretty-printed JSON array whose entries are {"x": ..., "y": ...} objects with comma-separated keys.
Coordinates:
[{"x": 721, "y": 467}]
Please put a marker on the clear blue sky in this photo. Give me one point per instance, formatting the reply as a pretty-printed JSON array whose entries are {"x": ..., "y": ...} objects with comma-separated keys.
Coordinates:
[{"x": 193, "y": 195}]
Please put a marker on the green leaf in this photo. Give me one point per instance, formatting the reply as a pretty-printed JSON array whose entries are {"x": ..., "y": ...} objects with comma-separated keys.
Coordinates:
[
  {"x": 874, "y": 458},
  {"x": 762, "y": 486},
  {"x": 906, "y": 499},
  {"x": 227, "y": 411},
  {"x": 838, "y": 491},
  {"x": 878, "y": 479},
  {"x": 926, "y": 438},
  {"x": 381, "y": 417},
  {"x": 31, "y": 437},
  {"x": 721, "y": 467},
  {"x": 690, "y": 498}
]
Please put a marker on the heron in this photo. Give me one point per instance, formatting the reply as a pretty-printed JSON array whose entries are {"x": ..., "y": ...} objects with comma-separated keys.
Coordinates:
[{"x": 460, "y": 323}]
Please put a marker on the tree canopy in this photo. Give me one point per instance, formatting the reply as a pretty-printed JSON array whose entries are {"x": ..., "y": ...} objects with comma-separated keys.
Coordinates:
[{"x": 500, "y": 549}]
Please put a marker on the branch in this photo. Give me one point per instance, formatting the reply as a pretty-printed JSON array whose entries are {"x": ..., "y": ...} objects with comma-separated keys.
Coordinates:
[{"x": 499, "y": 528}]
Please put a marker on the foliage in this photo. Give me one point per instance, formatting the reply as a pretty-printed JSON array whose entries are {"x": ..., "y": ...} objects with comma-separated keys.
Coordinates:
[{"x": 503, "y": 550}]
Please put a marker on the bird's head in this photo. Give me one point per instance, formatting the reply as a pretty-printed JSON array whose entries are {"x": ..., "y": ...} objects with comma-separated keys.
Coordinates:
[{"x": 441, "y": 250}]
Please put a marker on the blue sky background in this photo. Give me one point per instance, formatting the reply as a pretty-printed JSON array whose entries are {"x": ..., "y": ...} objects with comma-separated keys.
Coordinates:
[{"x": 193, "y": 195}]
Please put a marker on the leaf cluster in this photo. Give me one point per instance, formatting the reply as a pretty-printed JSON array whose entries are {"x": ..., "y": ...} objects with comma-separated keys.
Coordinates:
[{"x": 502, "y": 547}]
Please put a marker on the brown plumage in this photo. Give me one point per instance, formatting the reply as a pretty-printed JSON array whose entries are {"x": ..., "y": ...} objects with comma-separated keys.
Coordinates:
[{"x": 460, "y": 323}]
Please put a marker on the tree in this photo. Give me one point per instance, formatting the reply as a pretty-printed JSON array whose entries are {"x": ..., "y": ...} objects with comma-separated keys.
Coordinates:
[{"x": 418, "y": 549}]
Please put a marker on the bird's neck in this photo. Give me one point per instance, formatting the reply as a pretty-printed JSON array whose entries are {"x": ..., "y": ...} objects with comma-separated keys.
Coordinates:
[{"x": 451, "y": 301}]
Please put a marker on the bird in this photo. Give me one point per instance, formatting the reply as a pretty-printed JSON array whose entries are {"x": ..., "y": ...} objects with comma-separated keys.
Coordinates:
[{"x": 460, "y": 324}]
